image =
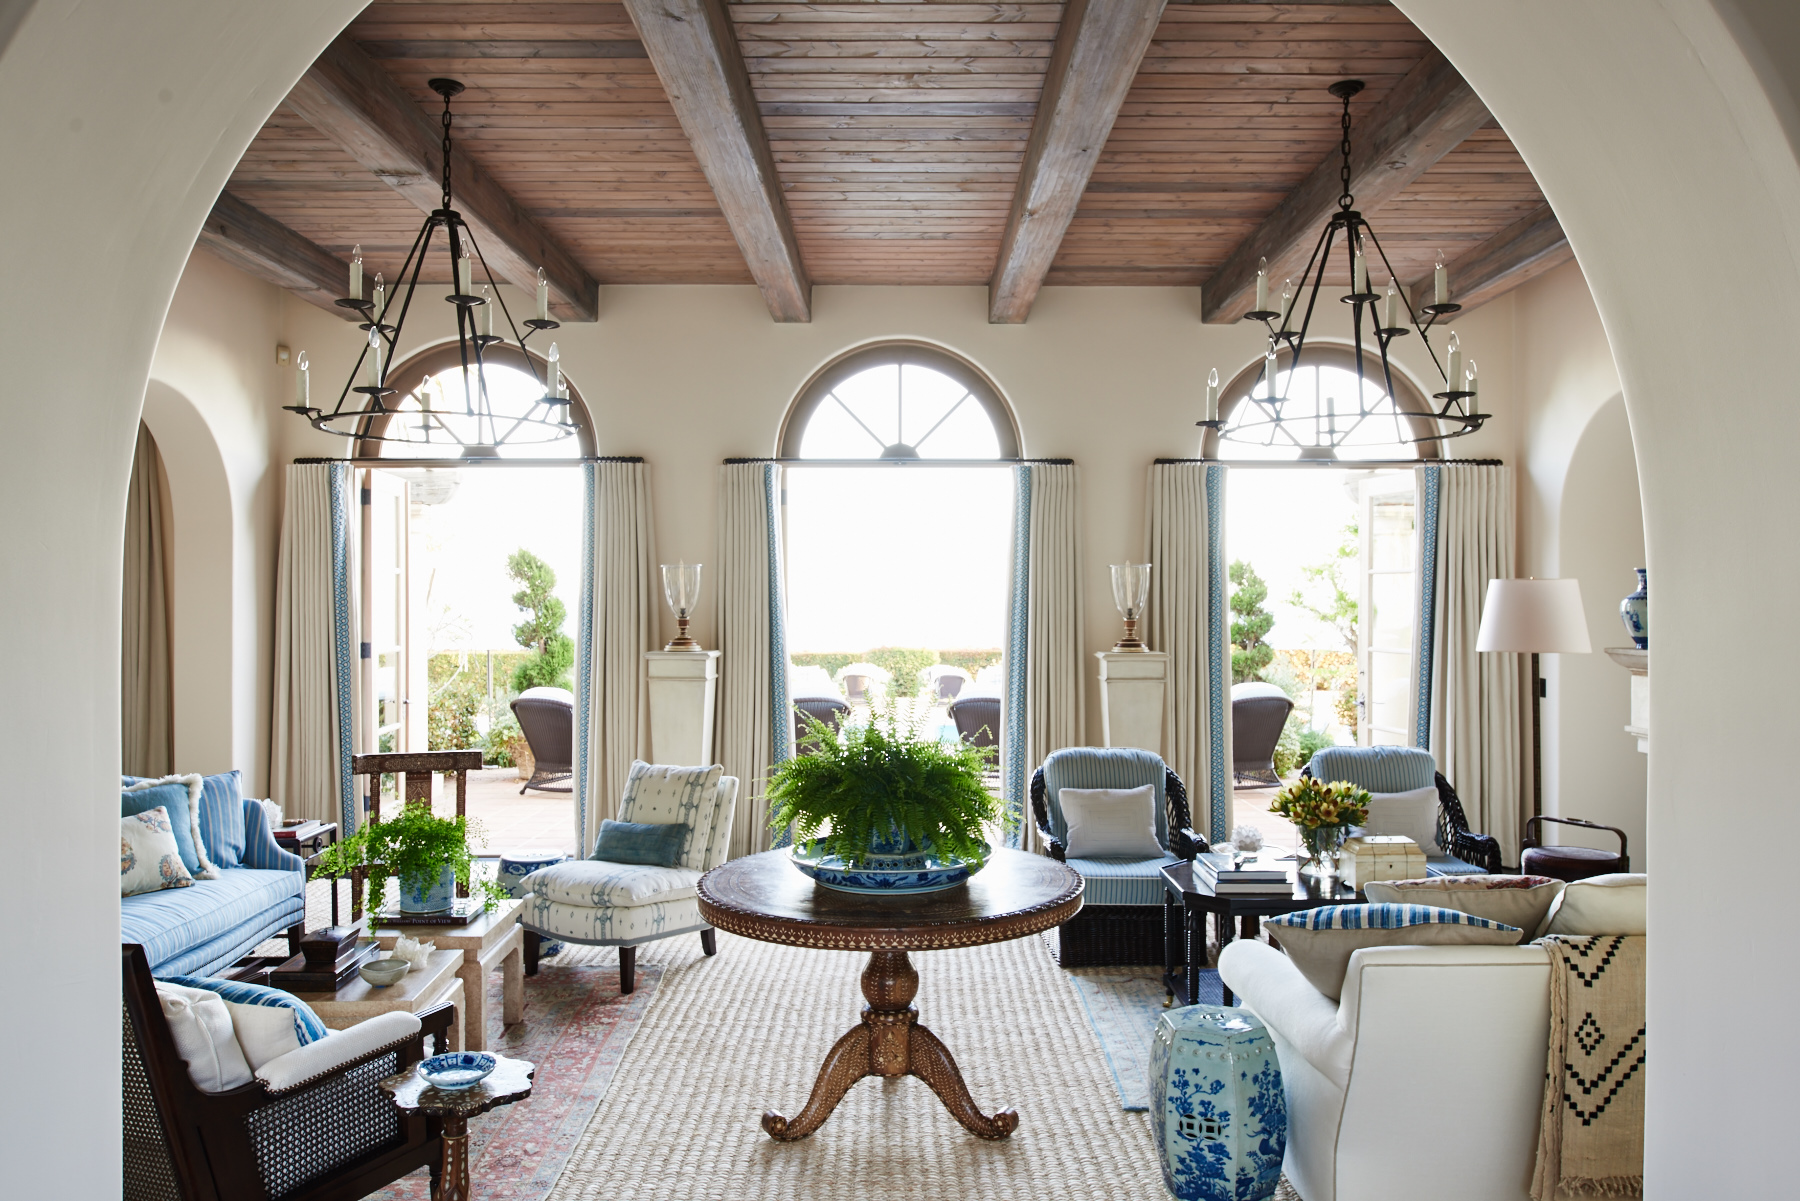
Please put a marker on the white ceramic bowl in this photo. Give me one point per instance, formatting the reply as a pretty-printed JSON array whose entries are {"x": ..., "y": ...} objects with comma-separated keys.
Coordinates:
[{"x": 383, "y": 972}]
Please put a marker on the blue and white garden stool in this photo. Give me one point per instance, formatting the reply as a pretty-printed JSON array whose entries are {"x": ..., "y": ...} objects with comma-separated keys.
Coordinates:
[
  {"x": 1216, "y": 1105},
  {"x": 514, "y": 867}
]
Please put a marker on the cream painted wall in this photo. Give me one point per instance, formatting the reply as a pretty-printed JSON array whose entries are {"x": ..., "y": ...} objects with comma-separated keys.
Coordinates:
[{"x": 211, "y": 406}]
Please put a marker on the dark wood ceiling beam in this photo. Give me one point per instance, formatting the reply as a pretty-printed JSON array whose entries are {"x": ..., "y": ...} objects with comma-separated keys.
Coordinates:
[
  {"x": 1524, "y": 250},
  {"x": 1098, "y": 49},
  {"x": 256, "y": 243},
  {"x": 351, "y": 100},
  {"x": 696, "y": 55},
  {"x": 1427, "y": 115}
]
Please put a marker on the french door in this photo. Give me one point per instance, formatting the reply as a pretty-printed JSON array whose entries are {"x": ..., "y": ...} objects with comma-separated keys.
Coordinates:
[
  {"x": 392, "y": 722},
  {"x": 1385, "y": 641}
]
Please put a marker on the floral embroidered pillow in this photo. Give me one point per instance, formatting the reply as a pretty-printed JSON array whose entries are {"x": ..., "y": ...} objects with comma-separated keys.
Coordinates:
[{"x": 149, "y": 857}]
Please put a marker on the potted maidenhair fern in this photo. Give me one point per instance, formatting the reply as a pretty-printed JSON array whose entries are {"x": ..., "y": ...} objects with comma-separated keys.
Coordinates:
[{"x": 882, "y": 806}]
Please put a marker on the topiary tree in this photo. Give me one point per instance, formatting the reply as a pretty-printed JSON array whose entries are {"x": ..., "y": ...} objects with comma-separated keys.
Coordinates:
[
  {"x": 905, "y": 662},
  {"x": 1250, "y": 624},
  {"x": 541, "y": 631}
]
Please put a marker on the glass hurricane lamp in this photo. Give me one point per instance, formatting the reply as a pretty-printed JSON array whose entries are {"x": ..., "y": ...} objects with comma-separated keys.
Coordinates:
[
  {"x": 1131, "y": 589},
  {"x": 681, "y": 586}
]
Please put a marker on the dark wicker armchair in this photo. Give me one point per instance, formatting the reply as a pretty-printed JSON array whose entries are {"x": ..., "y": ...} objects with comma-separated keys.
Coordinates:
[
  {"x": 547, "y": 719},
  {"x": 977, "y": 719},
  {"x": 828, "y": 709},
  {"x": 1259, "y": 712},
  {"x": 1122, "y": 920},
  {"x": 1401, "y": 769},
  {"x": 334, "y": 1138}
]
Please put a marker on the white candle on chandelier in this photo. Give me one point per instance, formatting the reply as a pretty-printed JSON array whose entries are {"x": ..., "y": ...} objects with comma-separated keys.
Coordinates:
[
  {"x": 1440, "y": 281},
  {"x": 302, "y": 381},
  {"x": 1212, "y": 395},
  {"x": 356, "y": 272},
  {"x": 1390, "y": 313},
  {"x": 487, "y": 311},
  {"x": 374, "y": 358},
  {"x": 543, "y": 297},
  {"x": 1453, "y": 372},
  {"x": 380, "y": 309},
  {"x": 554, "y": 377},
  {"x": 1359, "y": 271},
  {"x": 1287, "y": 301},
  {"x": 1471, "y": 386},
  {"x": 465, "y": 274},
  {"x": 1269, "y": 367},
  {"x": 1262, "y": 285}
]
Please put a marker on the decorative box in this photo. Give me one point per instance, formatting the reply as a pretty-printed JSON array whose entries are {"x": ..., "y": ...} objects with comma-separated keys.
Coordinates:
[
  {"x": 1380, "y": 857},
  {"x": 1217, "y": 1110}
]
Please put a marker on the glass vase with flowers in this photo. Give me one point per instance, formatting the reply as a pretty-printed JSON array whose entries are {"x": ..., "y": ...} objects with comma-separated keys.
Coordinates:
[{"x": 1324, "y": 814}]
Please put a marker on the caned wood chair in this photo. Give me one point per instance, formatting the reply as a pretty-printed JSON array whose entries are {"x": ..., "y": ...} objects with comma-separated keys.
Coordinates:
[{"x": 412, "y": 771}]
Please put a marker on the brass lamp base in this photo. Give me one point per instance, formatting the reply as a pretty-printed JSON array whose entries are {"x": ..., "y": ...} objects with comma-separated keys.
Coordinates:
[
  {"x": 681, "y": 641},
  {"x": 1130, "y": 640}
]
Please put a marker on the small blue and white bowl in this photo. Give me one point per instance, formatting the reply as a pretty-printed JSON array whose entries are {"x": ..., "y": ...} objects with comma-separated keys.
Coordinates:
[
  {"x": 884, "y": 874},
  {"x": 457, "y": 1070}
]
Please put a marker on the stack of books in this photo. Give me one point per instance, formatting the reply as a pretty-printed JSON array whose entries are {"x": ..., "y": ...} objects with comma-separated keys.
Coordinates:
[{"x": 1226, "y": 877}]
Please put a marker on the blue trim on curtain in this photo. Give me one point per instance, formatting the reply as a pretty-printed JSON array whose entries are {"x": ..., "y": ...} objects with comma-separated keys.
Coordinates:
[
  {"x": 783, "y": 725},
  {"x": 584, "y": 646},
  {"x": 338, "y": 482},
  {"x": 1017, "y": 649},
  {"x": 1431, "y": 484},
  {"x": 1218, "y": 662}
]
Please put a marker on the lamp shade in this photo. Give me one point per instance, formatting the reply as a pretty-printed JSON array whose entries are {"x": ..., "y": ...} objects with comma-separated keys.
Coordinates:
[{"x": 1533, "y": 616}]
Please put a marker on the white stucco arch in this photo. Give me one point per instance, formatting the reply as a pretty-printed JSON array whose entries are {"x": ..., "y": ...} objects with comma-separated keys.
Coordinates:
[{"x": 1662, "y": 148}]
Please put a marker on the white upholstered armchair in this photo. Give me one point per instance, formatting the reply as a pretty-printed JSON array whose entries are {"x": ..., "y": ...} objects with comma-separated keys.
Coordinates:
[{"x": 600, "y": 903}]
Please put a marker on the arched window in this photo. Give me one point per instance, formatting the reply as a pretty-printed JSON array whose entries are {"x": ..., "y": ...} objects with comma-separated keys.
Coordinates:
[
  {"x": 1322, "y": 400},
  {"x": 899, "y": 401},
  {"x": 436, "y": 376}
]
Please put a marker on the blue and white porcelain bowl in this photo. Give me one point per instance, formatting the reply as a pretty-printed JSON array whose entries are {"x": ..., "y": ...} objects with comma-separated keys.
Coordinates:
[
  {"x": 885, "y": 874},
  {"x": 457, "y": 1070}
]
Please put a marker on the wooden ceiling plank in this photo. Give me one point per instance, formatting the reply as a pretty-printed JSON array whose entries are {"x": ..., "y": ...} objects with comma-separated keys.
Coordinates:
[
  {"x": 1425, "y": 117},
  {"x": 349, "y": 98},
  {"x": 255, "y": 242},
  {"x": 696, "y": 55},
  {"x": 1098, "y": 51},
  {"x": 1522, "y": 251}
]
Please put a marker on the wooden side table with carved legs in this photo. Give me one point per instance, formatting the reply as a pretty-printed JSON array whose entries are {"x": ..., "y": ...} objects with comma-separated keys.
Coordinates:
[
  {"x": 766, "y": 897},
  {"x": 510, "y": 1081}
]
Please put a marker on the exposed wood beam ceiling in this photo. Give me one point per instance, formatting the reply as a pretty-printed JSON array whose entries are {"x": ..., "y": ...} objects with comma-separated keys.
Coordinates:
[
  {"x": 696, "y": 54},
  {"x": 896, "y": 138},
  {"x": 1522, "y": 251},
  {"x": 1098, "y": 49},
  {"x": 255, "y": 242}
]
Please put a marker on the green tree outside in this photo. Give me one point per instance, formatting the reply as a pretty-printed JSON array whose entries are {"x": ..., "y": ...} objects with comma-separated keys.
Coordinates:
[
  {"x": 541, "y": 631},
  {"x": 1250, "y": 625}
]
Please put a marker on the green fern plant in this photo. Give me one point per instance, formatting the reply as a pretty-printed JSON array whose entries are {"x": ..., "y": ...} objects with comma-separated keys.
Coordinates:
[{"x": 872, "y": 780}]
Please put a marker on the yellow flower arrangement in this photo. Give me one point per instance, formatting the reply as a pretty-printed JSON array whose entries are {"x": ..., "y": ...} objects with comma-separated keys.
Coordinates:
[{"x": 1310, "y": 803}]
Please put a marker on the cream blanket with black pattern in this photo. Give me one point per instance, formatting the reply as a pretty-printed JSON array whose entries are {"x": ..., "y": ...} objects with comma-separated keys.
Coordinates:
[{"x": 1591, "y": 1140}]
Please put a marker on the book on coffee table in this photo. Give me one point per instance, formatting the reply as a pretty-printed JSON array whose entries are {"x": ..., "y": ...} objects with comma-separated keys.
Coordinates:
[
  {"x": 462, "y": 911},
  {"x": 1225, "y": 879}
]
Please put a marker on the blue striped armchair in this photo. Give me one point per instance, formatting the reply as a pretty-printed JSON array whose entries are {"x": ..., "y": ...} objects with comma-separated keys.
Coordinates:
[
  {"x": 1403, "y": 769},
  {"x": 1121, "y": 920}
]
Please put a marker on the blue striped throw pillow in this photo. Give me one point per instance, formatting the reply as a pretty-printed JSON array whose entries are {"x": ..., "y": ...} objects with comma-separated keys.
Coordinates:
[
  {"x": 1380, "y": 917},
  {"x": 1321, "y": 941},
  {"x": 222, "y": 818}
]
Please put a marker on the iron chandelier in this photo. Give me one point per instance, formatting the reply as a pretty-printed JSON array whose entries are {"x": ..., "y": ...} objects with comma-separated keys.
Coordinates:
[
  {"x": 477, "y": 426},
  {"x": 1272, "y": 419}
]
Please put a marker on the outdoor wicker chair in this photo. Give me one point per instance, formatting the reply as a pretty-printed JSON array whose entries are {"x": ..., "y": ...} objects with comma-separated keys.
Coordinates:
[
  {"x": 333, "y": 1137},
  {"x": 977, "y": 719},
  {"x": 1121, "y": 920},
  {"x": 1259, "y": 712},
  {"x": 547, "y": 719},
  {"x": 828, "y": 709}
]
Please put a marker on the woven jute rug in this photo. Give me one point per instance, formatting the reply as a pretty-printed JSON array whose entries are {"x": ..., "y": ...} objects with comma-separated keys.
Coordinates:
[{"x": 745, "y": 1031}]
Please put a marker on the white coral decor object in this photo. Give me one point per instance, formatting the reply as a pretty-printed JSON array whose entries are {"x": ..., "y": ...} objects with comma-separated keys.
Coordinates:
[
  {"x": 1247, "y": 839},
  {"x": 413, "y": 951}
]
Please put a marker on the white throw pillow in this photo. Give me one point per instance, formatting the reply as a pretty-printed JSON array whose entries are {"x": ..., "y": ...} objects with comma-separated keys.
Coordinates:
[
  {"x": 1610, "y": 904},
  {"x": 149, "y": 858},
  {"x": 204, "y": 1038},
  {"x": 263, "y": 1031},
  {"x": 1109, "y": 822},
  {"x": 1411, "y": 815},
  {"x": 663, "y": 795}
]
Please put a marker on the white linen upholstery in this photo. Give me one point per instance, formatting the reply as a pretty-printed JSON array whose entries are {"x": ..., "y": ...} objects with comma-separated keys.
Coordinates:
[
  {"x": 336, "y": 1049},
  {"x": 1617, "y": 903},
  {"x": 595, "y": 882},
  {"x": 201, "y": 1027},
  {"x": 657, "y": 794},
  {"x": 1110, "y": 822},
  {"x": 1372, "y": 1115},
  {"x": 1412, "y": 814},
  {"x": 613, "y": 926}
]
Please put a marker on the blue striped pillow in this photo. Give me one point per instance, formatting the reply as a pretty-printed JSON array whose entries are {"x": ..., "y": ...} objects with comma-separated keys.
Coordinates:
[
  {"x": 1321, "y": 941},
  {"x": 307, "y": 1026},
  {"x": 1380, "y": 917},
  {"x": 222, "y": 818}
]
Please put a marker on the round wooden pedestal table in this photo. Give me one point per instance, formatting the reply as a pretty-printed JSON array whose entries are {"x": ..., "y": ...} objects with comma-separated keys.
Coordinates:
[{"x": 766, "y": 897}]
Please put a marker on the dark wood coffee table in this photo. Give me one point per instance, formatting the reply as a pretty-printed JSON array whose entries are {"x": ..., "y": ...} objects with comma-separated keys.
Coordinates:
[
  {"x": 766, "y": 897},
  {"x": 1187, "y": 900}
]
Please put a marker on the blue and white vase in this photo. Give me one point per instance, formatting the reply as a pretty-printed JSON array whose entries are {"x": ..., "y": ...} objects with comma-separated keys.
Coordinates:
[
  {"x": 422, "y": 894},
  {"x": 1634, "y": 611},
  {"x": 1216, "y": 1106}
]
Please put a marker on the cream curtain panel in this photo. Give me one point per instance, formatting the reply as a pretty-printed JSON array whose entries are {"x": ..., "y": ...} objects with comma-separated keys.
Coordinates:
[
  {"x": 617, "y": 612},
  {"x": 1186, "y": 620},
  {"x": 1045, "y": 703},
  {"x": 317, "y": 638},
  {"x": 146, "y": 702},
  {"x": 1474, "y": 697},
  {"x": 752, "y": 729}
]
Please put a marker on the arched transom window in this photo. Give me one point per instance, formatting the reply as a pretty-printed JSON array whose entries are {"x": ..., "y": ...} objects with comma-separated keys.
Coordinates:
[
  {"x": 1321, "y": 410},
  {"x": 900, "y": 401}
]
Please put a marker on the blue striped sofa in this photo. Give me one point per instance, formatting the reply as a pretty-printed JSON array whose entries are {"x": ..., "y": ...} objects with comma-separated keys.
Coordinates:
[
  {"x": 204, "y": 928},
  {"x": 1121, "y": 920},
  {"x": 1401, "y": 769}
]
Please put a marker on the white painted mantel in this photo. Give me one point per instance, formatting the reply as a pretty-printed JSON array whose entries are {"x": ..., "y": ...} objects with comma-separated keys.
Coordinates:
[
  {"x": 683, "y": 689},
  {"x": 1134, "y": 687},
  {"x": 1637, "y": 662}
]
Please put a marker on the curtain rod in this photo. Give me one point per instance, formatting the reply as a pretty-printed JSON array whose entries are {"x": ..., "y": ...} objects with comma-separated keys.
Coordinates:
[
  {"x": 1341, "y": 464},
  {"x": 364, "y": 461},
  {"x": 733, "y": 462}
]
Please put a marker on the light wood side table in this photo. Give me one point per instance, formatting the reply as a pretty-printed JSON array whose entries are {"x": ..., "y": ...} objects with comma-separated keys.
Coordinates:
[
  {"x": 495, "y": 939},
  {"x": 436, "y": 983}
]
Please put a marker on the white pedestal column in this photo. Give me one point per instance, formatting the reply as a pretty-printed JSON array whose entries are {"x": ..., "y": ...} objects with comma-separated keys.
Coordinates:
[
  {"x": 683, "y": 685},
  {"x": 1134, "y": 689}
]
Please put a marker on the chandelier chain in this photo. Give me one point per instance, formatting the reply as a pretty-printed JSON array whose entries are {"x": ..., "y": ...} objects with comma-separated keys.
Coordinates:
[
  {"x": 1345, "y": 199},
  {"x": 447, "y": 152}
]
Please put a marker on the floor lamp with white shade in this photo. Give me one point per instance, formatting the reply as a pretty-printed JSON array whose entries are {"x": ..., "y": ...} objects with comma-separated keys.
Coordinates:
[{"x": 1534, "y": 617}]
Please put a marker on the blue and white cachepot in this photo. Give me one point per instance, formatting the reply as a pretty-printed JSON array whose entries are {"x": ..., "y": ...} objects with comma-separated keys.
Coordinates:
[
  {"x": 516, "y": 865},
  {"x": 1634, "y": 611},
  {"x": 1217, "y": 1108},
  {"x": 422, "y": 894}
]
